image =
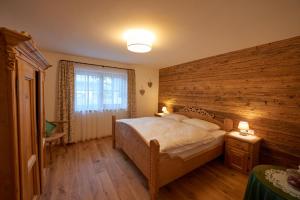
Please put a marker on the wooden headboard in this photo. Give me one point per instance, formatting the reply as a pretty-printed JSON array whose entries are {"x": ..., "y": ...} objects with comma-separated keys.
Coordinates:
[{"x": 200, "y": 113}]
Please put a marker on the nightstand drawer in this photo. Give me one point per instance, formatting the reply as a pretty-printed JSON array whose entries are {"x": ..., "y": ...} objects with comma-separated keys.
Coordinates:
[
  {"x": 238, "y": 144},
  {"x": 237, "y": 159}
]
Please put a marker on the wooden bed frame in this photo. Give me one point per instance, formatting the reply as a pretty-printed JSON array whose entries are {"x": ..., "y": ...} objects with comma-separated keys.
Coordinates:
[{"x": 159, "y": 168}]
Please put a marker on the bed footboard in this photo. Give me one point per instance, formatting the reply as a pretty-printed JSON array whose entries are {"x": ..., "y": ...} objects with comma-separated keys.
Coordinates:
[
  {"x": 145, "y": 155},
  {"x": 113, "y": 131},
  {"x": 154, "y": 169}
]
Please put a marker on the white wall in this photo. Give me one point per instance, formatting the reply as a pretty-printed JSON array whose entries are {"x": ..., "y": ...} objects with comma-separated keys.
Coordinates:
[{"x": 146, "y": 104}]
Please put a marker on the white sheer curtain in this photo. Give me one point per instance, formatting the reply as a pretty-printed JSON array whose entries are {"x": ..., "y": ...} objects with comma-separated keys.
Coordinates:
[{"x": 100, "y": 92}]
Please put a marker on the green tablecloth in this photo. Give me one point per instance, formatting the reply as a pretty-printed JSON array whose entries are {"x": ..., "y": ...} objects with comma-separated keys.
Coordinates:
[{"x": 259, "y": 188}]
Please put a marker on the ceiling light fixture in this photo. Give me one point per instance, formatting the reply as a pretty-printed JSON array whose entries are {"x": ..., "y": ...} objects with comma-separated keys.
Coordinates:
[{"x": 139, "y": 40}]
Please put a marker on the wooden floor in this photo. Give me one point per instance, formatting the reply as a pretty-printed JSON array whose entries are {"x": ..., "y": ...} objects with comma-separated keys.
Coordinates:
[{"x": 93, "y": 170}]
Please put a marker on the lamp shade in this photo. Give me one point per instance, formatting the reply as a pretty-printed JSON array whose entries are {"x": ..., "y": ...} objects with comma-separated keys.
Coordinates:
[
  {"x": 139, "y": 40},
  {"x": 243, "y": 125},
  {"x": 164, "y": 109}
]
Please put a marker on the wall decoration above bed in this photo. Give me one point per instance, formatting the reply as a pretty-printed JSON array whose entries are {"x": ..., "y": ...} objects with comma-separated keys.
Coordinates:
[{"x": 142, "y": 91}]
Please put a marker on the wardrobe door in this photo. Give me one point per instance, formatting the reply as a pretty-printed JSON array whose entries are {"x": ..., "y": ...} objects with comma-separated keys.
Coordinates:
[{"x": 29, "y": 169}]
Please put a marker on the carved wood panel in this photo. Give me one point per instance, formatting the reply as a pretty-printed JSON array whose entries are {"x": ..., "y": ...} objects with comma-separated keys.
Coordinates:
[
  {"x": 260, "y": 85},
  {"x": 196, "y": 109}
]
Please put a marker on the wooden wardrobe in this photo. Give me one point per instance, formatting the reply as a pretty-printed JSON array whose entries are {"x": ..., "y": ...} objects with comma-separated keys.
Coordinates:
[{"x": 22, "y": 118}]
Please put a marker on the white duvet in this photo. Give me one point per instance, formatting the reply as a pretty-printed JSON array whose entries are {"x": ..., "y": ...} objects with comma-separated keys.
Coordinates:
[{"x": 170, "y": 133}]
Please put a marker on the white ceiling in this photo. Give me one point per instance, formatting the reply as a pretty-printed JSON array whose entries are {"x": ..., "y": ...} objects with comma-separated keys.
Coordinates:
[{"x": 185, "y": 29}]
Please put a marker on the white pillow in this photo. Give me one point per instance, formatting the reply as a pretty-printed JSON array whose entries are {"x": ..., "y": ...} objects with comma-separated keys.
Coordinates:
[
  {"x": 176, "y": 117},
  {"x": 202, "y": 124}
]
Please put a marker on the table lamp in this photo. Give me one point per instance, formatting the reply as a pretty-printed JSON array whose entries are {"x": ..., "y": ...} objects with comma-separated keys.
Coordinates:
[
  {"x": 164, "y": 110},
  {"x": 244, "y": 128}
]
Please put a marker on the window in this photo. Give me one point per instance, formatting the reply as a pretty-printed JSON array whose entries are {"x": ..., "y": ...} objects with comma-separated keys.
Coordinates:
[{"x": 100, "y": 89}]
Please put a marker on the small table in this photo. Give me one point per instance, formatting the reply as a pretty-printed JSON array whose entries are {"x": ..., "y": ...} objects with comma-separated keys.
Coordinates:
[
  {"x": 241, "y": 152},
  {"x": 259, "y": 188}
]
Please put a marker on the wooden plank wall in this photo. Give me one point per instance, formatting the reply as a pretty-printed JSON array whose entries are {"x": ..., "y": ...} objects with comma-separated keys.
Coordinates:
[{"x": 260, "y": 85}]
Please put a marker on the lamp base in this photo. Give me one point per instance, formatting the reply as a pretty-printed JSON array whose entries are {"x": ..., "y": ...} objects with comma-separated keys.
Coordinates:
[{"x": 243, "y": 133}]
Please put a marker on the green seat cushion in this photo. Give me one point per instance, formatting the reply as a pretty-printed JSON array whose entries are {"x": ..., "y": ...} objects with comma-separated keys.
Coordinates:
[{"x": 49, "y": 128}]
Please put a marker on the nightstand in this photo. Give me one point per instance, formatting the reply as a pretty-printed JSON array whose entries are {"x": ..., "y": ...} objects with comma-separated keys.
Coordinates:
[
  {"x": 241, "y": 152},
  {"x": 159, "y": 114}
]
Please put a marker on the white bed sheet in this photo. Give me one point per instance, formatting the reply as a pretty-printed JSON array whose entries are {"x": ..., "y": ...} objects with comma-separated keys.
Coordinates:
[{"x": 189, "y": 151}]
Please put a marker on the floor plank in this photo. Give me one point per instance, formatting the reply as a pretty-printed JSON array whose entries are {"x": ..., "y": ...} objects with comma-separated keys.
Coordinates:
[{"x": 93, "y": 170}]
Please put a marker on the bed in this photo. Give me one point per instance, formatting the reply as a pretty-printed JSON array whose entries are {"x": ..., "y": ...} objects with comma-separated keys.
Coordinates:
[{"x": 162, "y": 162}]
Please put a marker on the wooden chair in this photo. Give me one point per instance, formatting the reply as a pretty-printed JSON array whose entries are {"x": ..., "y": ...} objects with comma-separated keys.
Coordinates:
[{"x": 56, "y": 137}]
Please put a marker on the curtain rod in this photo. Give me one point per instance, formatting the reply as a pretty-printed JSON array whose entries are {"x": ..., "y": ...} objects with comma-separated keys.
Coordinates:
[{"x": 95, "y": 64}]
